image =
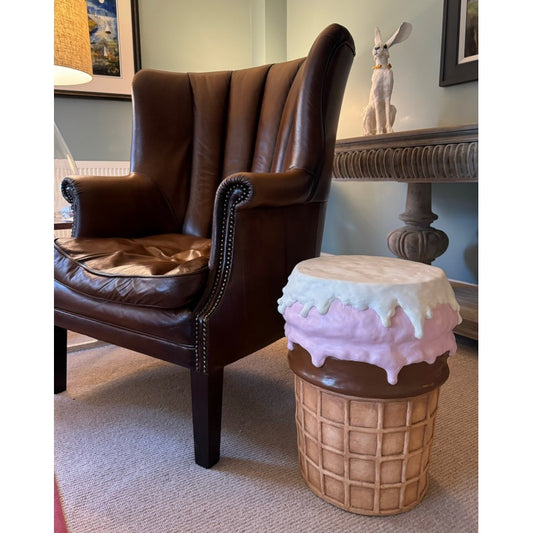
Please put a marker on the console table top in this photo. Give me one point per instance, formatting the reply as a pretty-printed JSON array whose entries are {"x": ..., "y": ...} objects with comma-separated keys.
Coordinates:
[{"x": 446, "y": 154}]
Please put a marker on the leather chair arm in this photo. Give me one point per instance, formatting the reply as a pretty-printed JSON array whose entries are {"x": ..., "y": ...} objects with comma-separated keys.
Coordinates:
[
  {"x": 117, "y": 206},
  {"x": 250, "y": 190},
  {"x": 248, "y": 268},
  {"x": 271, "y": 189}
]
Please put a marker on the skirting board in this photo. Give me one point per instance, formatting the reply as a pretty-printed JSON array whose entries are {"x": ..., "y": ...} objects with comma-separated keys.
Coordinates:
[
  {"x": 76, "y": 342},
  {"x": 467, "y": 296}
]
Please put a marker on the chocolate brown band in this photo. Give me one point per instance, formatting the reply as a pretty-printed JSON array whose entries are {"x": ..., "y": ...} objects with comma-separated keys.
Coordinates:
[{"x": 364, "y": 380}]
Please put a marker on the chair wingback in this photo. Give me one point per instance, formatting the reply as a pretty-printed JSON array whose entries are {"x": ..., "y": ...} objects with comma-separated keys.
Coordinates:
[{"x": 190, "y": 131}]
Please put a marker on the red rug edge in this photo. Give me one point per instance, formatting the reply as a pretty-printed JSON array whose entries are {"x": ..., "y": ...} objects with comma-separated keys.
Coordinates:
[{"x": 60, "y": 526}]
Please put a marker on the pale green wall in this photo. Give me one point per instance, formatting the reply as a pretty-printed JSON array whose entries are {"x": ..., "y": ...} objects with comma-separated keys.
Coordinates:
[
  {"x": 95, "y": 130},
  {"x": 421, "y": 103},
  {"x": 360, "y": 215},
  {"x": 196, "y": 35},
  {"x": 201, "y": 35}
]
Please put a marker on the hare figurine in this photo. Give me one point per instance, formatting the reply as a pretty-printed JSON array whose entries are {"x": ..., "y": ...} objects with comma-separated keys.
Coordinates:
[{"x": 379, "y": 114}]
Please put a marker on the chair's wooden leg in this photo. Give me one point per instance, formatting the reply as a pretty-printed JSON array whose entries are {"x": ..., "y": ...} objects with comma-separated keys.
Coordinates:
[
  {"x": 207, "y": 415},
  {"x": 60, "y": 359}
]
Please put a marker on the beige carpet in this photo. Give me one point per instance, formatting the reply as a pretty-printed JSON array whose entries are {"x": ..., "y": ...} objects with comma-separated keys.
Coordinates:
[{"x": 124, "y": 452}]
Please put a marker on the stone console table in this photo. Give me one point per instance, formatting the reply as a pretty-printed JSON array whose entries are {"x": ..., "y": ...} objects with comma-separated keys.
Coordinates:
[{"x": 418, "y": 158}]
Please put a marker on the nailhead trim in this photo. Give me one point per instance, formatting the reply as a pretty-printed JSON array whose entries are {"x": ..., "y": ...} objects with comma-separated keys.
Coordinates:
[
  {"x": 67, "y": 191},
  {"x": 224, "y": 266}
]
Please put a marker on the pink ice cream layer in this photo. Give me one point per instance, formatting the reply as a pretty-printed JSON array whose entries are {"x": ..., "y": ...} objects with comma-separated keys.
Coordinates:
[{"x": 351, "y": 335}]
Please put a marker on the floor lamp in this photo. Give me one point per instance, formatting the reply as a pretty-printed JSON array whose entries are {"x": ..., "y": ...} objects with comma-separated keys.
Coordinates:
[{"x": 72, "y": 66}]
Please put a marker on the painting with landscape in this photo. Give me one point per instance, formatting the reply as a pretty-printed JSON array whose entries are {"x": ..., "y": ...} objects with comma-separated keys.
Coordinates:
[{"x": 103, "y": 31}]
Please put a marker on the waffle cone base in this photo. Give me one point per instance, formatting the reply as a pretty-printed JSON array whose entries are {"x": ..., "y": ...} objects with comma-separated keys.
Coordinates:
[{"x": 366, "y": 456}]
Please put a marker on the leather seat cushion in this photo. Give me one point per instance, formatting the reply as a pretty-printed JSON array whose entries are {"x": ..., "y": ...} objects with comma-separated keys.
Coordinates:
[{"x": 164, "y": 271}]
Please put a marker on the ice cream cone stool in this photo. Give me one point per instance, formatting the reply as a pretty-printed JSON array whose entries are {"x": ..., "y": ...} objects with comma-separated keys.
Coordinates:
[{"x": 369, "y": 339}]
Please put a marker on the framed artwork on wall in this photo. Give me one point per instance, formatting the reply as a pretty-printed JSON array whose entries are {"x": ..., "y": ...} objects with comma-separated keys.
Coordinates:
[
  {"x": 115, "y": 50},
  {"x": 459, "y": 53}
]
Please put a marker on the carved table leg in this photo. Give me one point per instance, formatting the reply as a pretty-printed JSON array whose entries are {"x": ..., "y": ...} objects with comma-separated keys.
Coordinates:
[{"x": 417, "y": 240}]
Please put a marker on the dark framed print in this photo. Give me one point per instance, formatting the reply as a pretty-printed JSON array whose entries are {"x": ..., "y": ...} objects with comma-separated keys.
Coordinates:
[
  {"x": 115, "y": 50},
  {"x": 459, "y": 53}
]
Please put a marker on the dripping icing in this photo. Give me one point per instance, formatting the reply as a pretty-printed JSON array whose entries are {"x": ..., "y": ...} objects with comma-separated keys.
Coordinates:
[{"x": 365, "y": 282}]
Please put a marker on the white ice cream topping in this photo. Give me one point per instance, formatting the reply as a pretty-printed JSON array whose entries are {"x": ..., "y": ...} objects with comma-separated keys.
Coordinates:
[{"x": 367, "y": 282}]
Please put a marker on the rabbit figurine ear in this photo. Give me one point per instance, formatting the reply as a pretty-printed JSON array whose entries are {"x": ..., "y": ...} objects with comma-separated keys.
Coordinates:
[
  {"x": 401, "y": 34},
  {"x": 377, "y": 37}
]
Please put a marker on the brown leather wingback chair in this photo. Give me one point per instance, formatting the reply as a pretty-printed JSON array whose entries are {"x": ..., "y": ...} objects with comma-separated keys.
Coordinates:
[{"x": 184, "y": 259}]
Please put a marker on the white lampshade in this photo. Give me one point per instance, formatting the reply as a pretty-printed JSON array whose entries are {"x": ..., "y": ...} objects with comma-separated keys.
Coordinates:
[{"x": 72, "y": 48}]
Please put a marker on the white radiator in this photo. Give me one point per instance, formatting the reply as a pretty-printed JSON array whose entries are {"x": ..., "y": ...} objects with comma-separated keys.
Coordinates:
[{"x": 85, "y": 168}]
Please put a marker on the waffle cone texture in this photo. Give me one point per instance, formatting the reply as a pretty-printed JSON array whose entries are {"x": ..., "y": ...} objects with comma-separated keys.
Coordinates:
[{"x": 367, "y": 456}]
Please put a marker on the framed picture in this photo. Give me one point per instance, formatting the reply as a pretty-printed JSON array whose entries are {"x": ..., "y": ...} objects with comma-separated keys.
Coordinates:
[
  {"x": 459, "y": 53},
  {"x": 115, "y": 50}
]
